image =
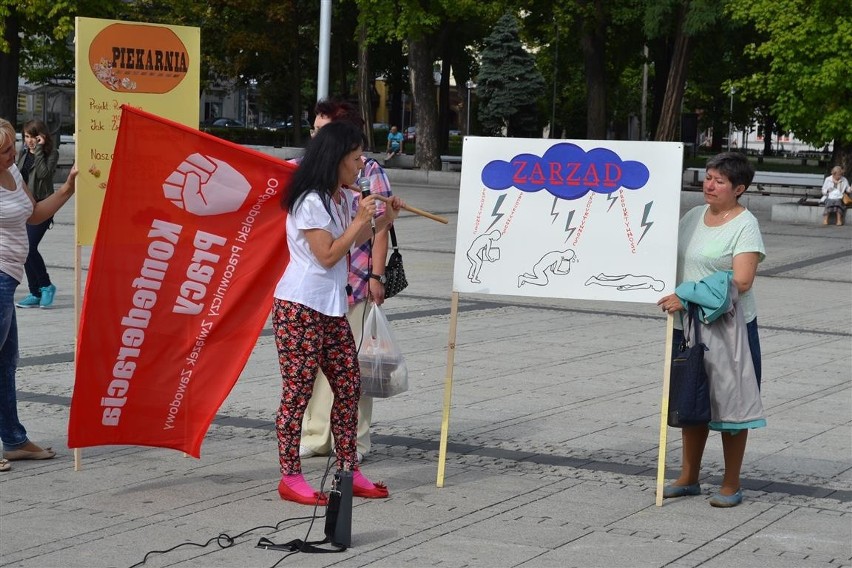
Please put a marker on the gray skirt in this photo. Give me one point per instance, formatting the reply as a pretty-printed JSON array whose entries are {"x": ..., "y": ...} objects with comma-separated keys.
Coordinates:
[{"x": 834, "y": 206}]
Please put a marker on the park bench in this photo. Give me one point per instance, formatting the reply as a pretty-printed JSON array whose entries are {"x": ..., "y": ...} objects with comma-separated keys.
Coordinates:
[
  {"x": 806, "y": 187},
  {"x": 451, "y": 163},
  {"x": 405, "y": 161}
]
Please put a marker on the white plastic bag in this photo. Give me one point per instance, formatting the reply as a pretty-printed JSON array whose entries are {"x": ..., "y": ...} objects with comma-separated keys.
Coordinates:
[{"x": 383, "y": 370}]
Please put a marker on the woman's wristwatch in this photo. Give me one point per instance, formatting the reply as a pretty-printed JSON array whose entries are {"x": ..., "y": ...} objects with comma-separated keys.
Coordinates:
[{"x": 380, "y": 277}]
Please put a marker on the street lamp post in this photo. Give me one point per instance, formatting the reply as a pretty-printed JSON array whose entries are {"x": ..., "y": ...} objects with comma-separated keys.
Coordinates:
[
  {"x": 324, "y": 49},
  {"x": 730, "y": 119},
  {"x": 402, "y": 122},
  {"x": 470, "y": 86},
  {"x": 242, "y": 101}
]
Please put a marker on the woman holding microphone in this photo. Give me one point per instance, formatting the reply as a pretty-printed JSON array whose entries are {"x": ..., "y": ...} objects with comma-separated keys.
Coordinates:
[{"x": 310, "y": 305}]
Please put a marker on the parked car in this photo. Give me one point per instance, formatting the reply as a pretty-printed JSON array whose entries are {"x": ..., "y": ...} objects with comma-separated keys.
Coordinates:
[
  {"x": 275, "y": 125},
  {"x": 282, "y": 124},
  {"x": 304, "y": 123},
  {"x": 223, "y": 122}
]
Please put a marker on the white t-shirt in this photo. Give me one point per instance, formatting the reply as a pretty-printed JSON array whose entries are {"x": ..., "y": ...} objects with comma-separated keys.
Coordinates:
[
  {"x": 15, "y": 209},
  {"x": 703, "y": 250},
  {"x": 306, "y": 281}
]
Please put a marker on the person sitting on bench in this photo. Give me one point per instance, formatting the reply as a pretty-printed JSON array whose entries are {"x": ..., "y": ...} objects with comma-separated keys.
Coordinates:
[{"x": 395, "y": 142}]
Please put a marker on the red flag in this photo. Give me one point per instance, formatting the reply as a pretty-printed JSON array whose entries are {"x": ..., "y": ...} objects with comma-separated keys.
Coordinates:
[{"x": 189, "y": 247}]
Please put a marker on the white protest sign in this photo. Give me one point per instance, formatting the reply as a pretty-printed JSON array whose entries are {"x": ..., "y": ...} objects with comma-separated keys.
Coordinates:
[{"x": 583, "y": 219}]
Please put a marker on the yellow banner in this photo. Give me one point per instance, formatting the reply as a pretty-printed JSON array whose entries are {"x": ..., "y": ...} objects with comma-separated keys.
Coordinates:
[{"x": 149, "y": 66}]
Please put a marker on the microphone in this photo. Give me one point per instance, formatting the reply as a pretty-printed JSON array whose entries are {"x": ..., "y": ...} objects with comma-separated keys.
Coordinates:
[{"x": 364, "y": 185}]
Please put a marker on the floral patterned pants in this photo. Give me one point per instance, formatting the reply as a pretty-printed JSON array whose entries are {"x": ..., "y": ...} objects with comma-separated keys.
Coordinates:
[{"x": 308, "y": 341}]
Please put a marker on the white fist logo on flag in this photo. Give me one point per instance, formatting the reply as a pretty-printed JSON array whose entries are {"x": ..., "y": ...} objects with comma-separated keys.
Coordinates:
[{"x": 206, "y": 186}]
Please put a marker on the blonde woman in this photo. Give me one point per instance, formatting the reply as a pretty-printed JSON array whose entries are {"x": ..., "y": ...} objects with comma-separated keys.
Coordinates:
[
  {"x": 833, "y": 189},
  {"x": 17, "y": 209}
]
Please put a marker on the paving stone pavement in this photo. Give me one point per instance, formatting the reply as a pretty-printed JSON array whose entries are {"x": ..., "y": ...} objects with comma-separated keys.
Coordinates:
[{"x": 553, "y": 437}]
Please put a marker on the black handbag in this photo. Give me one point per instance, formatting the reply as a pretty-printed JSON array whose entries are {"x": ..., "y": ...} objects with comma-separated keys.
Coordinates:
[
  {"x": 395, "y": 281},
  {"x": 689, "y": 390}
]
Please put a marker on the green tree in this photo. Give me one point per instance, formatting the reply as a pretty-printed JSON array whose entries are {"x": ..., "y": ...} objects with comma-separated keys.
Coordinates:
[
  {"x": 427, "y": 30},
  {"x": 35, "y": 43},
  {"x": 600, "y": 60},
  {"x": 248, "y": 42},
  {"x": 671, "y": 27},
  {"x": 807, "y": 45},
  {"x": 721, "y": 49},
  {"x": 244, "y": 41},
  {"x": 507, "y": 77}
]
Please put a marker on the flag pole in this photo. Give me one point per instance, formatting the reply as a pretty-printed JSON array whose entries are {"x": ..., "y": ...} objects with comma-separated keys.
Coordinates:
[{"x": 417, "y": 211}]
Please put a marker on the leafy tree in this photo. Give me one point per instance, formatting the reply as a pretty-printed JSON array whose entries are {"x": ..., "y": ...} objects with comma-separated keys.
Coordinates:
[
  {"x": 418, "y": 28},
  {"x": 550, "y": 27},
  {"x": 594, "y": 50},
  {"x": 612, "y": 38},
  {"x": 507, "y": 77},
  {"x": 246, "y": 40},
  {"x": 378, "y": 57},
  {"x": 35, "y": 40},
  {"x": 388, "y": 59},
  {"x": 425, "y": 28},
  {"x": 721, "y": 49},
  {"x": 807, "y": 46},
  {"x": 671, "y": 26}
]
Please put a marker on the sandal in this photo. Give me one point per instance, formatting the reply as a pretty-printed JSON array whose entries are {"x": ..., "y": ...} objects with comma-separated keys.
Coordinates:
[
  {"x": 41, "y": 454},
  {"x": 5, "y": 465}
]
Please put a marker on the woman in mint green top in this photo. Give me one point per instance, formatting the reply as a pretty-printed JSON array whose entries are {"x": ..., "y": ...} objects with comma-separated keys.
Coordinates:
[{"x": 721, "y": 235}]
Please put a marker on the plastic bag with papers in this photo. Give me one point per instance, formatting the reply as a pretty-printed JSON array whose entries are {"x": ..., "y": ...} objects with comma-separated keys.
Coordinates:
[{"x": 383, "y": 370}]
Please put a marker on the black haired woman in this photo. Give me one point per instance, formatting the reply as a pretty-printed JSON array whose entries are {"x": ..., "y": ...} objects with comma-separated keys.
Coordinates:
[{"x": 309, "y": 312}]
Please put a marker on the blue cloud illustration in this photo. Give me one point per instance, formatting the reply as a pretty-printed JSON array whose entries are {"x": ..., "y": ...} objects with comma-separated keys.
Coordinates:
[{"x": 567, "y": 171}]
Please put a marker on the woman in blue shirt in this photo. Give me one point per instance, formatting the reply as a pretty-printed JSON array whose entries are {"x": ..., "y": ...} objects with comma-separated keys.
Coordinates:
[{"x": 394, "y": 143}]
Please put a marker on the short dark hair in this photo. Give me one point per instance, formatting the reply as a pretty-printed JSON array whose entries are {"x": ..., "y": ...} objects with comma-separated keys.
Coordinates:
[
  {"x": 339, "y": 109},
  {"x": 318, "y": 169},
  {"x": 734, "y": 166}
]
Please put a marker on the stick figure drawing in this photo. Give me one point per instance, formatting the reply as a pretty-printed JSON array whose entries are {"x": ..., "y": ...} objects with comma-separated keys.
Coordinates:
[
  {"x": 626, "y": 282},
  {"x": 556, "y": 262},
  {"x": 482, "y": 250}
]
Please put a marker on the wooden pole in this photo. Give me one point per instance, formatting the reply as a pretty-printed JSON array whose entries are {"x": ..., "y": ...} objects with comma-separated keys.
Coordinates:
[
  {"x": 448, "y": 388},
  {"x": 78, "y": 280},
  {"x": 664, "y": 412},
  {"x": 420, "y": 212}
]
